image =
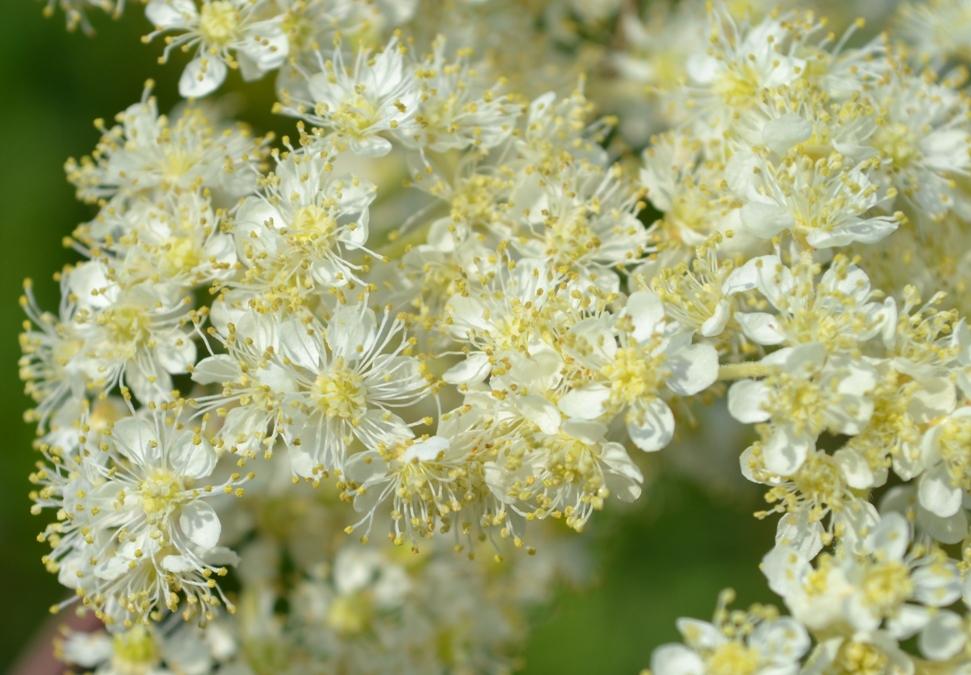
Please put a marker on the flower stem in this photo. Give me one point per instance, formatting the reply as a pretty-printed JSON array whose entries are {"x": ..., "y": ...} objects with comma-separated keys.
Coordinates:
[{"x": 741, "y": 371}]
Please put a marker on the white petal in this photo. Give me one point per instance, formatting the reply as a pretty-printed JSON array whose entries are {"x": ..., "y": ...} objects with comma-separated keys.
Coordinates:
[
  {"x": 646, "y": 311},
  {"x": 854, "y": 469},
  {"x": 216, "y": 370},
  {"x": 266, "y": 45},
  {"x": 202, "y": 76},
  {"x": 652, "y": 426},
  {"x": 746, "y": 277},
  {"x": 936, "y": 584},
  {"x": 936, "y": 493},
  {"x": 742, "y": 174},
  {"x": 891, "y": 537},
  {"x": 950, "y": 530},
  {"x": 943, "y": 637},
  {"x": 200, "y": 524},
  {"x": 352, "y": 332},
  {"x": 760, "y": 327},
  {"x": 427, "y": 450},
  {"x": 193, "y": 460},
  {"x": 586, "y": 403},
  {"x": 473, "y": 369},
  {"x": 935, "y": 398},
  {"x": 168, "y": 14},
  {"x": 766, "y": 220},
  {"x": 715, "y": 324},
  {"x": 540, "y": 412},
  {"x": 786, "y": 451},
  {"x": 624, "y": 478},
  {"x": 692, "y": 369},
  {"x": 178, "y": 564},
  {"x": 299, "y": 343},
  {"x": 781, "y": 134},
  {"x": 801, "y": 533},
  {"x": 746, "y": 401},
  {"x": 590, "y": 433},
  {"x": 910, "y": 619},
  {"x": 781, "y": 640},
  {"x": 700, "y": 634},
  {"x": 675, "y": 659},
  {"x": 136, "y": 439},
  {"x": 784, "y": 569}
]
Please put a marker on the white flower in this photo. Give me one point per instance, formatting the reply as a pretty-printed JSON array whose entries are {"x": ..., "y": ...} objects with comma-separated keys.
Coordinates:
[
  {"x": 759, "y": 643},
  {"x": 148, "y": 152},
  {"x": 876, "y": 651},
  {"x": 924, "y": 131},
  {"x": 636, "y": 357},
  {"x": 454, "y": 110},
  {"x": 51, "y": 361},
  {"x": 744, "y": 60},
  {"x": 380, "y": 95},
  {"x": 837, "y": 311},
  {"x": 136, "y": 336},
  {"x": 176, "y": 242},
  {"x": 224, "y": 30},
  {"x": 822, "y": 487},
  {"x": 947, "y": 463},
  {"x": 294, "y": 239},
  {"x": 567, "y": 468},
  {"x": 883, "y": 585},
  {"x": 75, "y": 11},
  {"x": 141, "y": 528},
  {"x": 347, "y": 387},
  {"x": 806, "y": 393},
  {"x": 823, "y": 203}
]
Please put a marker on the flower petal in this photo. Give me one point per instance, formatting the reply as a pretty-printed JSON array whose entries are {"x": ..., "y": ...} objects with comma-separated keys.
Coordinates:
[
  {"x": 200, "y": 524},
  {"x": 651, "y": 426},
  {"x": 202, "y": 76}
]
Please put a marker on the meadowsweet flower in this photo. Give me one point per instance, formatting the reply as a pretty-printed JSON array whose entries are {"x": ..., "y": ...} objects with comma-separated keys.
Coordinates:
[
  {"x": 141, "y": 529},
  {"x": 296, "y": 236},
  {"x": 806, "y": 393},
  {"x": 757, "y": 641},
  {"x": 140, "y": 335},
  {"x": 347, "y": 387},
  {"x": 379, "y": 96},
  {"x": 454, "y": 110},
  {"x": 884, "y": 586},
  {"x": 229, "y": 34},
  {"x": 634, "y": 359},
  {"x": 148, "y": 152},
  {"x": 75, "y": 11},
  {"x": 838, "y": 311}
]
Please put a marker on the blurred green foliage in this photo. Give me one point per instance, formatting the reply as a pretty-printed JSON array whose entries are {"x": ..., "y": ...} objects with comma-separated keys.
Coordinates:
[{"x": 667, "y": 557}]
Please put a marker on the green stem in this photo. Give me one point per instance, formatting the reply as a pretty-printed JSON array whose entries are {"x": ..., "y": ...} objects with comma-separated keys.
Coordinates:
[{"x": 742, "y": 371}]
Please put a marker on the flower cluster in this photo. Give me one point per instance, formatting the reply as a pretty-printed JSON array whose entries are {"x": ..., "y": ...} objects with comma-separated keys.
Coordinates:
[{"x": 456, "y": 303}]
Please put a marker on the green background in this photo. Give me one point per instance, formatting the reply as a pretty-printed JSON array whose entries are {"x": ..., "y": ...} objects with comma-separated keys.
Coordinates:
[{"x": 666, "y": 557}]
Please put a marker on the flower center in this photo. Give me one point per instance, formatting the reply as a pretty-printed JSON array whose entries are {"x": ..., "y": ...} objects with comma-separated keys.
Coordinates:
[
  {"x": 886, "y": 586},
  {"x": 128, "y": 325},
  {"x": 218, "y": 23},
  {"x": 180, "y": 255},
  {"x": 898, "y": 142},
  {"x": 633, "y": 375},
  {"x": 134, "y": 652},
  {"x": 341, "y": 393},
  {"x": 160, "y": 492},
  {"x": 311, "y": 223},
  {"x": 733, "y": 658},
  {"x": 858, "y": 658},
  {"x": 737, "y": 86},
  {"x": 350, "y": 614}
]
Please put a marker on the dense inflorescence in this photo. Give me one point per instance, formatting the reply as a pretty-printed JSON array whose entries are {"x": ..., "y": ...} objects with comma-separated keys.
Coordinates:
[{"x": 509, "y": 248}]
